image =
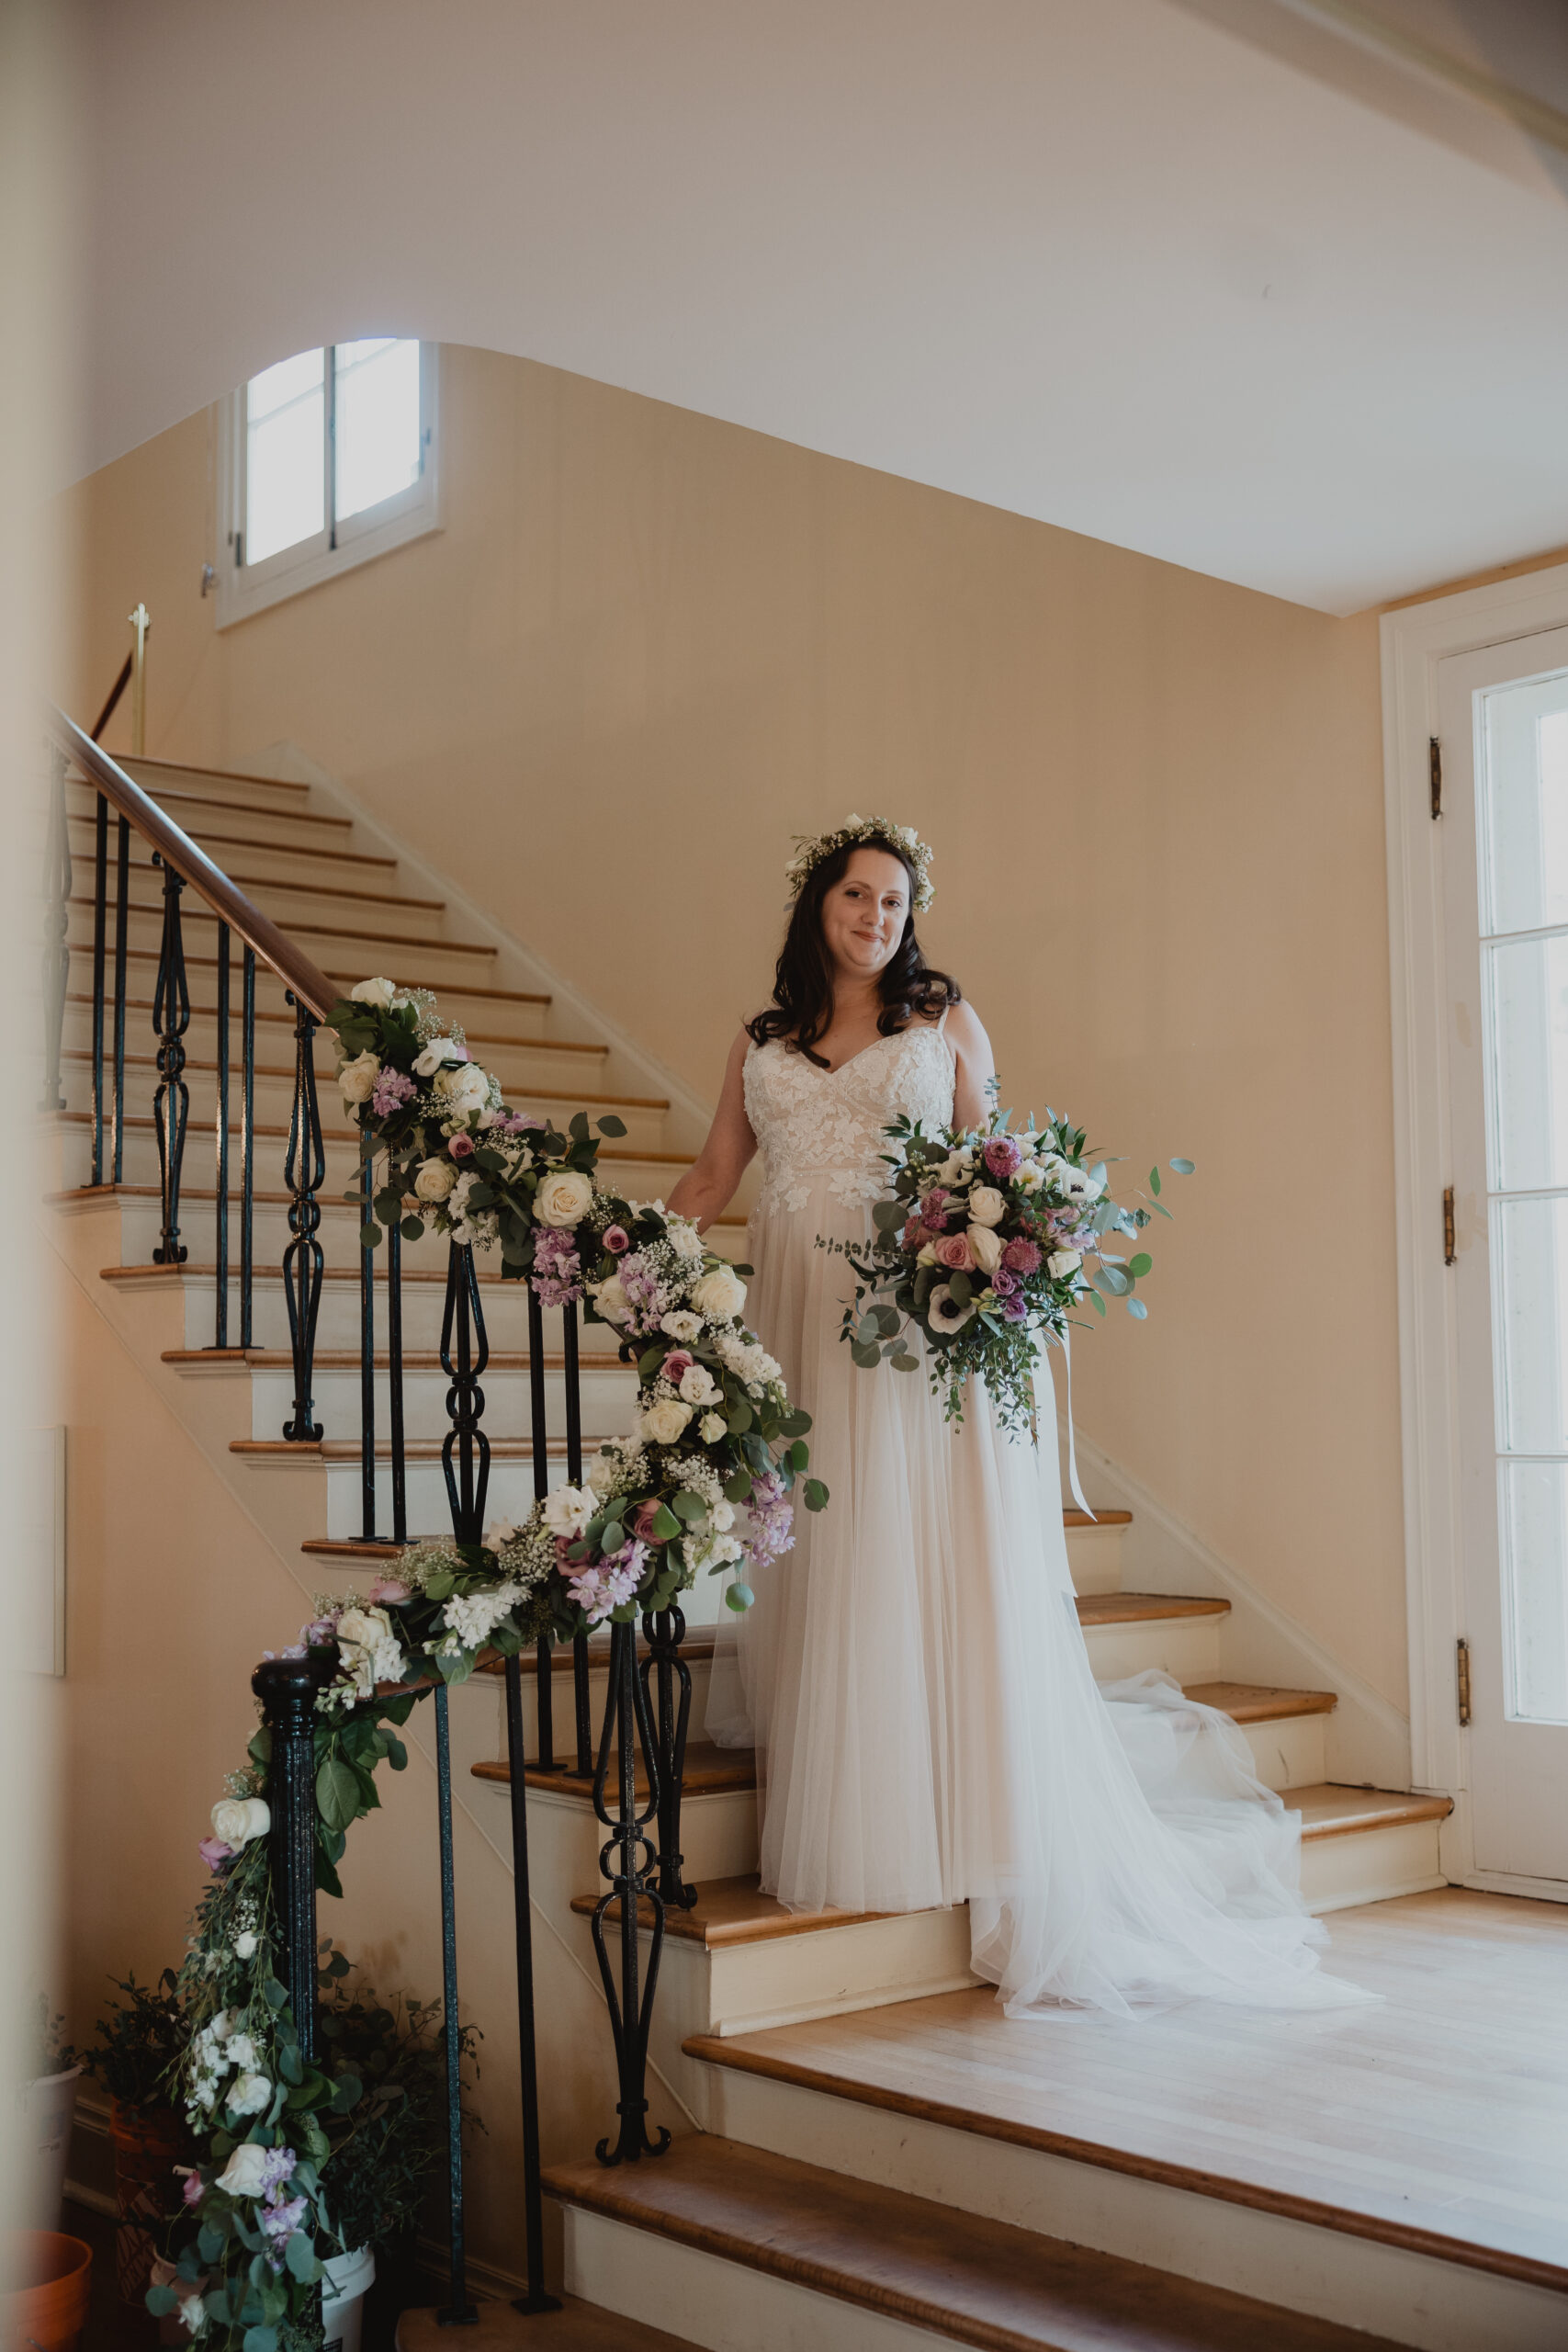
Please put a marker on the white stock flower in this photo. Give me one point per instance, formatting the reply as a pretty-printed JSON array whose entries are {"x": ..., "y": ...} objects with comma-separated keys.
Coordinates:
[
  {"x": 719, "y": 1296},
  {"x": 245, "y": 2171},
  {"x": 610, "y": 1298},
  {"x": 943, "y": 1314},
  {"x": 463, "y": 1088},
  {"x": 665, "y": 1422},
  {"x": 568, "y": 1510},
  {"x": 986, "y": 1205},
  {"x": 376, "y": 992},
  {"x": 433, "y": 1180},
  {"x": 240, "y": 2053},
  {"x": 682, "y": 1326},
  {"x": 697, "y": 1386},
  {"x": 236, "y": 1820},
  {"x": 986, "y": 1245},
  {"x": 439, "y": 1050},
  {"x": 711, "y": 1428},
  {"x": 1063, "y": 1262},
  {"x": 722, "y": 1516},
  {"x": 563, "y": 1198},
  {"x": 250, "y": 2096},
  {"x": 357, "y": 1080}
]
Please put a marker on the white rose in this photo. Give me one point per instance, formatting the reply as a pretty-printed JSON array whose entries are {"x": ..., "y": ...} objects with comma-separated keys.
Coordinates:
[
  {"x": 439, "y": 1050},
  {"x": 376, "y": 992},
  {"x": 711, "y": 1428},
  {"x": 1063, "y": 1262},
  {"x": 245, "y": 1944},
  {"x": 567, "y": 1510},
  {"x": 242, "y": 2053},
  {"x": 719, "y": 1296},
  {"x": 564, "y": 1198},
  {"x": 610, "y": 1298},
  {"x": 986, "y": 1245},
  {"x": 246, "y": 2170},
  {"x": 684, "y": 1238},
  {"x": 365, "y": 1628},
  {"x": 435, "y": 1178},
  {"x": 926, "y": 1256},
  {"x": 682, "y": 1326},
  {"x": 665, "y": 1422},
  {"x": 697, "y": 1384},
  {"x": 236, "y": 1820},
  {"x": 222, "y": 2025},
  {"x": 722, "y": 1516},
  {"x": 986, "y": 1205},
  {"x": 463, "y": 1087},
  {"x": 250, "y": 2096},
  {"x": 357, "y": 1080}
]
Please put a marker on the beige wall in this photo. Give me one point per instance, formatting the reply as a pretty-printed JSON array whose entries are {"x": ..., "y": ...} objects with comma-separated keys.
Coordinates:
[{"x": 646, "y": 648}]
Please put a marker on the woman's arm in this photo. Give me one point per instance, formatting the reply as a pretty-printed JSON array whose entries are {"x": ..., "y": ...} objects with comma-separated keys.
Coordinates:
[
  {"x": 976, "y": 1067},
  {"x": 707, "y": 1189}
]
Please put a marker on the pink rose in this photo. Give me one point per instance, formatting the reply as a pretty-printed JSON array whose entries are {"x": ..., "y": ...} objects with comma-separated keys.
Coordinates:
[
  {"x": 1022, "y": 1257},
  {"x": 953, "y": 1253},
  {"x": 1004, "y": 1284},
  {"x": 389, "y": 1588},
  {"x": 678, "y": 1361},
  {"x": 914, "y": 1234},
  {"x": 461, "y": 1147},
  {"x": 617, "y": 1239},
  {"x": 642, "y": 1523},
  {"x": 1002, "y": 1156},
  {"x": 194, "y": 2189},
  {"x": 1013, "y": 1310},
  {"x": 214, "y": 1852}
]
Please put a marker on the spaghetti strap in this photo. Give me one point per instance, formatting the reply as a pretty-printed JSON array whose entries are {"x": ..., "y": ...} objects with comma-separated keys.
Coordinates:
[{"x": 941, "y": 1024}]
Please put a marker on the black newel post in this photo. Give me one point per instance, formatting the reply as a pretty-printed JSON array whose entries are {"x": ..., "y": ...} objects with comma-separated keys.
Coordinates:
[
  {"x": 171, "y": 1104},
  {"x": 628, "y": 1859},
  {"x": 288, "y": 1689}
]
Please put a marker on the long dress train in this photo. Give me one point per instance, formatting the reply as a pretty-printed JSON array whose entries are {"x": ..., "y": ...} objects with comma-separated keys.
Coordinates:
[{"x": 913, "y": 1675}]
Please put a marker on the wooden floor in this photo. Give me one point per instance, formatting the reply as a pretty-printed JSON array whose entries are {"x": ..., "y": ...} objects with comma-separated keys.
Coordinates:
[{"x": 1437, "y": 2119}]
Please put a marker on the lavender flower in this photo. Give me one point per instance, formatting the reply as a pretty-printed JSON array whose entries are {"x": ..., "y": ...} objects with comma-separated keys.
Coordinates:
[
  {"x": 390, "y": 1092},
  {"x": 772, "y": 1511}
]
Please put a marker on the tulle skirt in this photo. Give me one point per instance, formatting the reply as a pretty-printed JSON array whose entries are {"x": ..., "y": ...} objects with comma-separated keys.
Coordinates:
[{"x": 914, "y": 1679}]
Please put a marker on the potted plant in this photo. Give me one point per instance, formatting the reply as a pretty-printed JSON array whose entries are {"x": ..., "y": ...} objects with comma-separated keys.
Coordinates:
[
  {"x": 139, "y": 2047},
  {"x": 49, "y": 2109}
]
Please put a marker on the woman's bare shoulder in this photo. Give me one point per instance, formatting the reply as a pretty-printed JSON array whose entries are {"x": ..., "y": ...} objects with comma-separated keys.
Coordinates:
[{"x": 965, "y": 1028}]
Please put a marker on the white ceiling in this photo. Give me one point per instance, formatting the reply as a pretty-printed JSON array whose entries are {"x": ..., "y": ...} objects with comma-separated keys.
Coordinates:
[{"x": 1117, "y": 266}]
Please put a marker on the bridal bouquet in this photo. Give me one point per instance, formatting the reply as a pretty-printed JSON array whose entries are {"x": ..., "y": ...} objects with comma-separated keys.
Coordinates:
[{"x": 982, "y": 1247}]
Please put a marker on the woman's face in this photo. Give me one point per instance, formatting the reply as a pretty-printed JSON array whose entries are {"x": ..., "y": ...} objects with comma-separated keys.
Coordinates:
[{"x": 865, "y": 913}]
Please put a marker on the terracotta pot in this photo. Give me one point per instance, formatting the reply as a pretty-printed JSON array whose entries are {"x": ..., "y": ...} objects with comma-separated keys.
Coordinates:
[
  {"x": 148, "y": 2141},
  {"x": 47, "y": 2306}
]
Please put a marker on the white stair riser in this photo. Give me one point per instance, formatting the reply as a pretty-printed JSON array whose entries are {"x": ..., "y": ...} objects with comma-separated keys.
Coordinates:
[
  {"x": 1369, "y": 1865},
  {"x": 1188, "y": 1647},
  {"x": 1289, "y": 1751},
  {"x": 246, "y": 807},
  {"x": 234, "y": 842},
  {"x": 728, "y": 2307},
  {"x": 1095, "y": 1556},
  {"x": 719, "y": 1837},
  {"x": 1410, "y": 2298},
  {"x": 320, "y": 901}
]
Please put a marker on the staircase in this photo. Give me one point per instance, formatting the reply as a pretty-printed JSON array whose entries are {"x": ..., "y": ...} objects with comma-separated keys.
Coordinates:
[{"x": 828, "y": 2190}]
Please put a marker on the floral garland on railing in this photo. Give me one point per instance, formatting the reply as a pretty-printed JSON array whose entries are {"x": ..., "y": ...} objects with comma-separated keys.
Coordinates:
[{"x": 716, "y": 1438}]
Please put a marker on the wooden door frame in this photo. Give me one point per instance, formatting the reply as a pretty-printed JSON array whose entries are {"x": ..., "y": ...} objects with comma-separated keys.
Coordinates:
[{"x": 1414, "y": 640}]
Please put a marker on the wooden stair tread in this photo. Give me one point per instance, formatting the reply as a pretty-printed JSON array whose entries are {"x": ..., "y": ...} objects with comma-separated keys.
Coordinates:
[
  {"x": 1129, "y": 1608},
  {"x": 286, "y": 1070},
  {"x": 1097, "y": 1517},
  {"x": 202, "y": 836},
  {"x": 416, "y": 1449},
  {"x": 1252, "y": 1703},
  {"x": 414, "y": 1359},
  {"x": 132, "y": 760},
  {"x": 576, "y": 2327},
  {"x": 962, "y": 2275},
  {"x": 1329, "y": 1810},
  {"x": 709, "y": 1770},
  {"x": 328, "y": 887},
  {"x": 194, "y": 909},
  {"x": 730, "y": 1911}
]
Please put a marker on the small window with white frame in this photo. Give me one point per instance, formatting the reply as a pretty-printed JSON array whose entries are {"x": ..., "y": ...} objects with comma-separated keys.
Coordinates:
[{"x": 324, "y": 460}]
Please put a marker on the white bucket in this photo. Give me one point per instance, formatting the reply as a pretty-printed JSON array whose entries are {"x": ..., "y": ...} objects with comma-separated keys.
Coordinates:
[
  {"x": 347, "y": 2280},
  {"x": 43, "y": 2145}
]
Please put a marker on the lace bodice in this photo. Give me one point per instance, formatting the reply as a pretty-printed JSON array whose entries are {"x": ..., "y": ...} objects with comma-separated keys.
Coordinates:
[{"x": 814, "y": 1125}]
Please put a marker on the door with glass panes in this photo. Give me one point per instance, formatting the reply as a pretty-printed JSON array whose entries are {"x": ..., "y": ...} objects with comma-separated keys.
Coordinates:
[{"x": 1503, "y": 719}]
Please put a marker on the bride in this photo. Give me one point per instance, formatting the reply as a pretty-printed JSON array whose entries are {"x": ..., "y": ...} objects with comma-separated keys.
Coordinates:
[{"x": 913, "y": 1674}]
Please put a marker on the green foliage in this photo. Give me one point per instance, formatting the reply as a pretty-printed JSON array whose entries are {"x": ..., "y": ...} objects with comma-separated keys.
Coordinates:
[{"x": 141, "y": 2042}]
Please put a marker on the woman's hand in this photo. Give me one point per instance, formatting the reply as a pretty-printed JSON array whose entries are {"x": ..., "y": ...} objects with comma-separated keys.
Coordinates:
[{"x": 707, "y": 1189}]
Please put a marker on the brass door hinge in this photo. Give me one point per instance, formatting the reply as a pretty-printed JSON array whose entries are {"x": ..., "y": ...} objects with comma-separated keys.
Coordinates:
[
  {"x": 1461, "y": 1678},
  {"x": 1435, "y": 774},
  {"x": 1451, "y": 1254}
]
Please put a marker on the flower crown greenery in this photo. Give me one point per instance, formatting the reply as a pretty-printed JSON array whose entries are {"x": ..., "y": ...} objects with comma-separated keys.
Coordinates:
[{"x": 902, "y": 840}]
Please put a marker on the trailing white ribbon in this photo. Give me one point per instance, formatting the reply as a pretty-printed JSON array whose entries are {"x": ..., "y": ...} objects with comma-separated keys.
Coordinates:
[{"x": 1042, "y": 1362}]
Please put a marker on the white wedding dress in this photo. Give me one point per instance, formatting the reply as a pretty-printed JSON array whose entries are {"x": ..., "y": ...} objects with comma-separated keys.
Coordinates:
[{"x": 913, "y": 1676}]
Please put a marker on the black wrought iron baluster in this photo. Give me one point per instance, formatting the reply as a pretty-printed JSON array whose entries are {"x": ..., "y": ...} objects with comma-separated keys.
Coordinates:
[
  {"x": 666, "y": 1670},
  {"x": 220, "y": 1169},
  {"x": 535, "y": 2299},
  {"x": 56, "y": 952},
  {"x": 628, "y": 1860},
  {"x": 304, "y": 1172},
  {"x": 544, "y": 1661},
  {"x": 100, "y": 919},
  {"x": 465, "y": 1351},
  {"x": 122, "y": 943},
  {"x": 367, "y": 1354},
  {"x": 395, "y": 1383},
  {"x": 458, "y": 2310},
  {"x": 582, "y": 1696},
  {"x": 171, "y": 1104},
  {"x": 247, "y": 1149}
]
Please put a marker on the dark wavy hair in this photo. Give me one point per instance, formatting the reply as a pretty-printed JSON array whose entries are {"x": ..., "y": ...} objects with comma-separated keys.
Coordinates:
[{"x": 802, "y": 1008}]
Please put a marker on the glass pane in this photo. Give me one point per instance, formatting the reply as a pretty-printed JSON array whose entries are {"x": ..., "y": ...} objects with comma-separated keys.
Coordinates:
[
  {"x": 1531, "y": 1309},
  {"x": 285, "y": 471},
  {"x": 1526, "y": 995},
  {"x": 376, "y": 389},
  {"x": 1524, "y": 806},
  {"x": 1535, "y": 1581}
]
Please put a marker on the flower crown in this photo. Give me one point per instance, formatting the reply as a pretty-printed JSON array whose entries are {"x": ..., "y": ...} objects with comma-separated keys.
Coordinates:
[{"x": 810, "y": 852}]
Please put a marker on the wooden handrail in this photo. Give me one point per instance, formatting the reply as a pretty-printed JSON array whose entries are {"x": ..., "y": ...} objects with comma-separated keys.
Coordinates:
[{"x": 308, "y": 982}]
